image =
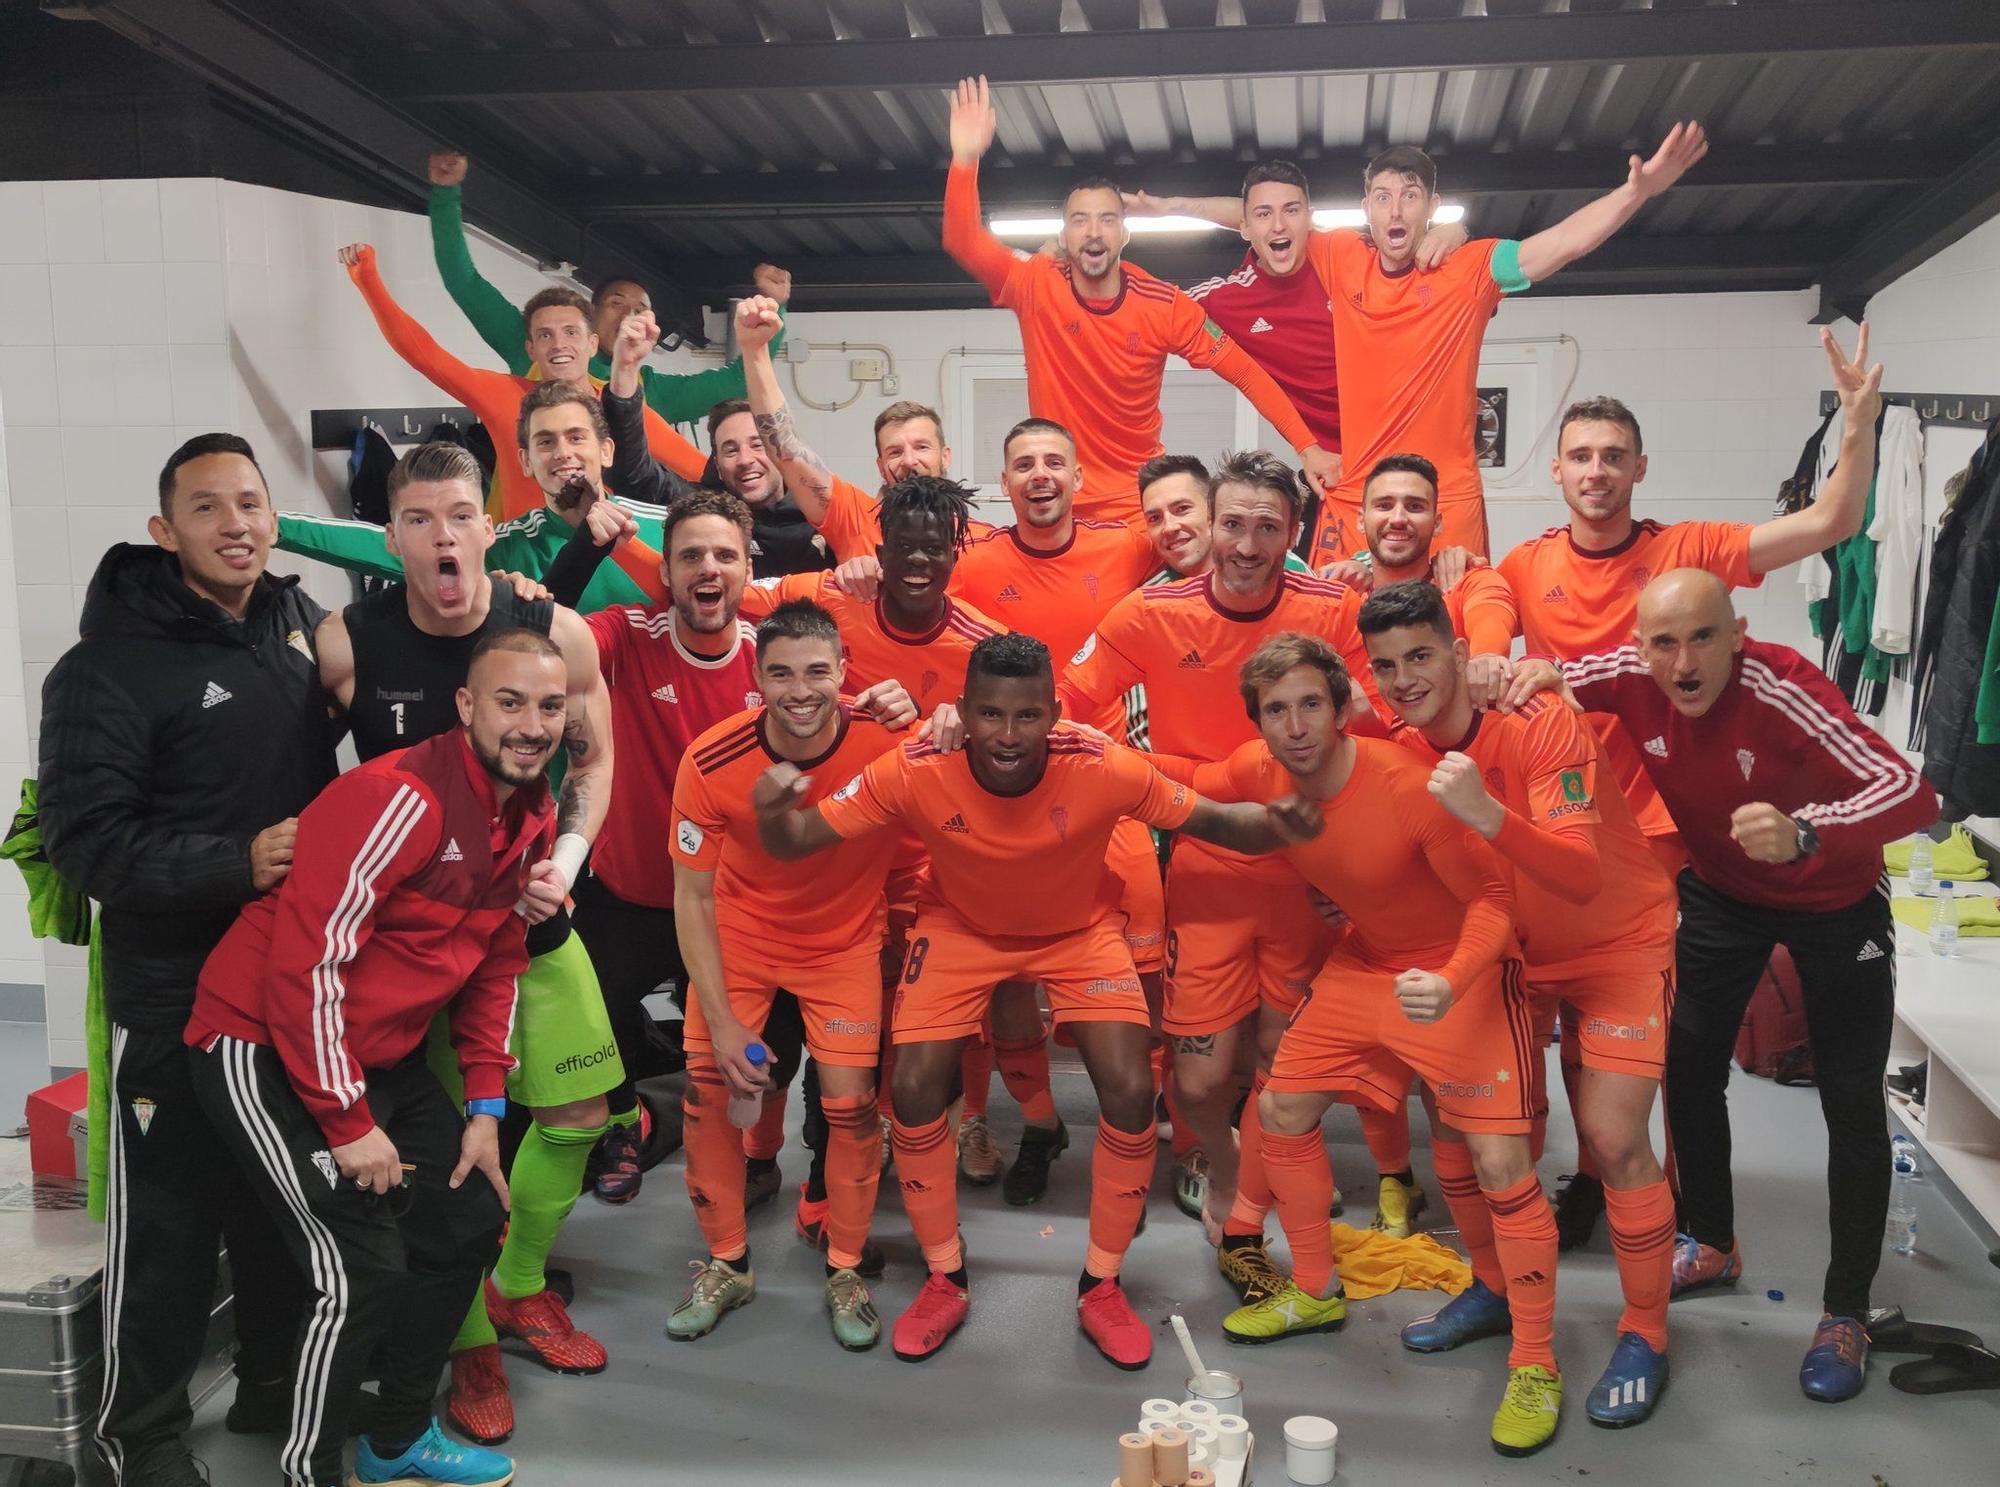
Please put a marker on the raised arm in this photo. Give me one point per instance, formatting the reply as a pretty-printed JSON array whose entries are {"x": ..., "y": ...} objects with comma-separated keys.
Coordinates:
[
  {"x": 686, "y": 397},
  {"x": 1835, "y": 514},
  {"x": 966, "y": 239},
  {"x": 637, "y": 473},
  {"x": 807, "y": 480},
  {"x": 410, "y": 340},
  {"x": 1223, "y": 211},
  {"x": 493, "y": 315},
  {"x": 1588, "y": 228}
]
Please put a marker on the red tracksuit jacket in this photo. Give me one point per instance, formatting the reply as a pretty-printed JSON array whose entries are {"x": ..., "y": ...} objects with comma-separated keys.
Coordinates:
[
  {"x": 400, "y": 901},
  {"x": 1780, "y": 733}
]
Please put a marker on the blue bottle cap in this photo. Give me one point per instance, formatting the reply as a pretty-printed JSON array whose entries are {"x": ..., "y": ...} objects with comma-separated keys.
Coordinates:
[
  {"x": 758, "y": 1055},
  {"x": 1775, "y": 1295}
]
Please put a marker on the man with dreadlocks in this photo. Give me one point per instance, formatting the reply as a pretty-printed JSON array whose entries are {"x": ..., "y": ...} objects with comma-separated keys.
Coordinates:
[{"x": 916, "y": 633}]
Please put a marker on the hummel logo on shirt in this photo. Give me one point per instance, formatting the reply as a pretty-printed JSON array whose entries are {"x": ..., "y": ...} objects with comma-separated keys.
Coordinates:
[
  {"x": 216, "y": 693},
  {"x": 1009, "y": 595},
  {"x": 1657, "y": 747},
  {"x": 957, "y": 823},
  {"x": 1259, "y": 324},
  {"x": 1191, "y": 661},
  {"x": 667, "y": 693},
  {"x": 451, "y": 852},
  {"x": 1555, "y": 596},
  {"x": 1869, "y": 951}
]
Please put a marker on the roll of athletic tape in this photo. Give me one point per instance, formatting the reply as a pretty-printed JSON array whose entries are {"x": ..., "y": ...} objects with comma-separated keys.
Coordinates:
[
  {"x": 1135, "y": 1459},
  {"x": 1232, "y": 1437},
  {"x": 1199, "y": 1412},
  {"x": 1159, "y": 1409}
]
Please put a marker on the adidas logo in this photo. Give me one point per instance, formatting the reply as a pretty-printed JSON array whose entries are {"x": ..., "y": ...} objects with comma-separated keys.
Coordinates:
[
  {"x": 1009, "y": 595},
  {"x": 1657, "y": 747},
  {"x": 1191, "y": 661},
  {"x": 216, "y": 693},
  {"x": 1869, "y": 951},
  {"x": 1259, "y": 324},
  {"x": 667, "y": 693},
  {"x": 957, "y": 823},
  {"x": 1555, "y": 596},
  {"x": 451, "y": 852}
]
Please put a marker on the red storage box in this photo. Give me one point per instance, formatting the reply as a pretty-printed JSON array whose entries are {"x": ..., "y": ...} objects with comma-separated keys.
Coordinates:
[{"x": 56, "y": 1115}]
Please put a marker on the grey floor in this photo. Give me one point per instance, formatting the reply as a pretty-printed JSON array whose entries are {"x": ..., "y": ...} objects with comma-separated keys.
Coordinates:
[{"x": 1020, "y": 1397}]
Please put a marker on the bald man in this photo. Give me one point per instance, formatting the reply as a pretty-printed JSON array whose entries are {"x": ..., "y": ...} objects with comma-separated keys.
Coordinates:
[{"x": 1784, "y": 799}]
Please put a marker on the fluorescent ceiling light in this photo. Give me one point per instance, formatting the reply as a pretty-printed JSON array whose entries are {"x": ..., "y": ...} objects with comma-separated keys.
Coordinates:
[{"x": 1043, "y": 227}]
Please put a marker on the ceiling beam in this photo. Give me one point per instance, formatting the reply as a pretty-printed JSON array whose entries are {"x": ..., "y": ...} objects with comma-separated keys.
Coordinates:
[
  {"x": 732, "y": 70},
  {"x": 1965, "y": 199},
  {"x": 771, "y": 194},
  {"x": 1621, "y": 263},
  {"x": 298, "y": 93}
]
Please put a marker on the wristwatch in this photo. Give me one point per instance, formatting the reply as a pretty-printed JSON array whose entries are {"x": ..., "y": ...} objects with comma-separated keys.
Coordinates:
[
  {"x": 495, "y": 1107},
  {"x": 1808, "y": 838}
]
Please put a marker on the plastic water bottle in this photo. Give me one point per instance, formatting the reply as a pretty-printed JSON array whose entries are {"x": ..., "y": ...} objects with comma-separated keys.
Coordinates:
[
  {"x": 1944, "y": 921},
  {"x": 1901, "y": 1229},
  {"x": 1922, "y": 876},
  {"x": 1903, "y": 1156},
  {"x": 744, "y": 1110}
]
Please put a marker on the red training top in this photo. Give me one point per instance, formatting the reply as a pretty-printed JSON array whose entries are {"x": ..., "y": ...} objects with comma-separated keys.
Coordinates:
[{"x": 400, "y": 901}]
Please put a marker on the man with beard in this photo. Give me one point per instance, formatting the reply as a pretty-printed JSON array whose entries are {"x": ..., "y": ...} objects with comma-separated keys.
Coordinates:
[
  {"x": 565, "y": 446},
  {"x": 180, "y": 739},
  {"x": 1409, "y": 342},
  {"x": 310, "y": 1020},
  {"x": 1244, "y": 940},
  {"x": 750, "y": 925},
  {"x": 1097, "y": 331},
  {"x": 395, "y": 661},
  {"x": 560, "y": 343},
  {"x": 1017, "y": 824}
]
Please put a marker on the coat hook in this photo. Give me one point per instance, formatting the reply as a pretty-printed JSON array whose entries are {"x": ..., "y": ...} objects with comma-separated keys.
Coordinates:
[
  {"x": 1982, "y": 415},
  {"x": 1957, "y": 411},
  {"x": 411, "y": 426},
  {"x": 1932, "y": 411}
]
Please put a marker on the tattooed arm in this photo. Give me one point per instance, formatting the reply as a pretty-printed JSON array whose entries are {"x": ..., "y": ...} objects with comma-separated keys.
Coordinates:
[
  {"x": 807, "y": 479},
  {"x": 586, "y": 790}
]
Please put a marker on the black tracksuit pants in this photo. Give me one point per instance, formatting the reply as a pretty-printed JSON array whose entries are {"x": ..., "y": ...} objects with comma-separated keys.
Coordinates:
[
  {"x": 1846, "y": 960},
  {"x": 174, "y": 1195},
  {"x": 398, "y": 1269}
]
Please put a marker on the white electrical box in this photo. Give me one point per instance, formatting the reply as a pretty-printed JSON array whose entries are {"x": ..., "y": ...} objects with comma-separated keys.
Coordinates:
[{"x": 865, "y": 368}]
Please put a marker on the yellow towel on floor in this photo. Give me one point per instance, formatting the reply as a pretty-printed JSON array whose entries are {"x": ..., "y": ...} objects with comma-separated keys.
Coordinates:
[
  {"x": 1372, "y": 1263},
  {"x": 1977, "y": 914}
]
